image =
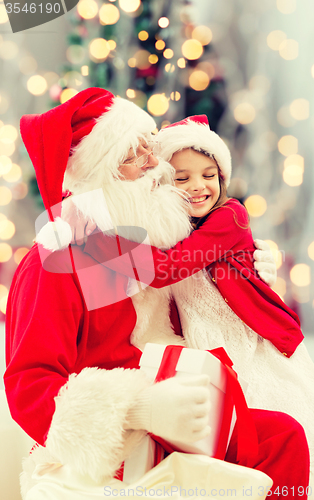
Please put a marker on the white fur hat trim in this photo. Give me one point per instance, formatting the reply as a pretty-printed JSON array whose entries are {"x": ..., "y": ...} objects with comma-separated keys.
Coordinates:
[{"x": 199, "y": 137}]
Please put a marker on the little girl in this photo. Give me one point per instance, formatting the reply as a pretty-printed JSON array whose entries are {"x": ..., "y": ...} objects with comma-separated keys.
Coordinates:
[
  {"x": 214, "y": 305},
  {"x": 226, "y": 304}
]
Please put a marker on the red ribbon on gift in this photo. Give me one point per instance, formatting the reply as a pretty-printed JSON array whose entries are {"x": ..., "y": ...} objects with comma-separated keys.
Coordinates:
[{"x": 247, "y": 436}]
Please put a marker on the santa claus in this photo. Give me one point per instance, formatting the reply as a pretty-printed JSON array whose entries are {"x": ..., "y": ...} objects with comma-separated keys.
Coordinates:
[{"x": 75, "y": 329}]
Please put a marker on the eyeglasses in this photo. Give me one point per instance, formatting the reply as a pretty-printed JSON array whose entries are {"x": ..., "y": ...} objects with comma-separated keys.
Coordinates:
[{"x": 142, "y": 160}]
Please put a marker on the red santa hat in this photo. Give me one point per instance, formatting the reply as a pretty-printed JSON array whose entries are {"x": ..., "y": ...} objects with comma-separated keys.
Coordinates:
[
  {"x": 194, "y": 132},
  {"x": 81, "y": 142}
]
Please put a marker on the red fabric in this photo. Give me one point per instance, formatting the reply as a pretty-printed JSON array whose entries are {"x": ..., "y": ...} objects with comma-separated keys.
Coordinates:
[
  {"x": 201, "y": 119},
  {"x": 224, "y": 243},
  {"x": 49, "y": 138},
  {"x": 283, "y": 454},
  {"x": 50, "y": 334}
]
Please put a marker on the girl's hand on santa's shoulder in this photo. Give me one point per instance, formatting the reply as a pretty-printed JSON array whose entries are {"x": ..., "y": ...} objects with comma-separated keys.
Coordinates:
[
  {"x": 81, "y": 226},
  {"x": 264, "y": 262}
]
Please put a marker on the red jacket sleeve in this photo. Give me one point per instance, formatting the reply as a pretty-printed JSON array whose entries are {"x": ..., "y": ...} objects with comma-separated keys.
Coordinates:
[
  {"x": 223, "y": 230},
  {"x": 41, "y": 350}
]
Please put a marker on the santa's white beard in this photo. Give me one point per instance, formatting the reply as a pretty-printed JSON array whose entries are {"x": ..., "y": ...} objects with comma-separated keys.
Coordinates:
[{"x": 149, "y": 202}]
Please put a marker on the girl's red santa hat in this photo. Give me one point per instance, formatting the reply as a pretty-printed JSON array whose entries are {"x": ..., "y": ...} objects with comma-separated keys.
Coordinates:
[
  {"x": 194, "y": 132},
  {"x": 79, "y": 145}
]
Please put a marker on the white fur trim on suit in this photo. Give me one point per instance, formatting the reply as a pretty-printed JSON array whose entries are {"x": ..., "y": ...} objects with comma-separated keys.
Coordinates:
[
  {"x": 97, "y": 157},
  {"x": 199, "y": 137},
  {"x": 87, "y": 427}
]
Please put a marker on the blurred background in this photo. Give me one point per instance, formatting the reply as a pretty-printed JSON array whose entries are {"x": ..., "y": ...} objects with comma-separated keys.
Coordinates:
[{"x": 248, "y": 65}]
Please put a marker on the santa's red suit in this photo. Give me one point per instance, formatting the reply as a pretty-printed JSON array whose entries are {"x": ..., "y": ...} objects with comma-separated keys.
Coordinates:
[{"x": 69, "y": 379}]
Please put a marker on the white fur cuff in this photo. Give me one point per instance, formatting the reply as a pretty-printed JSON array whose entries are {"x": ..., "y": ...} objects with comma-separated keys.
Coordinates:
[{"x": 87, "y": 427}]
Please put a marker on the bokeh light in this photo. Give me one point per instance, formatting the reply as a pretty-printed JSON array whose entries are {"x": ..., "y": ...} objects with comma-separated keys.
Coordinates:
[
  {"x": 310, "y": 250},
  {"x": 112, "y": 44},
  {"x": 66, "y": 94},
  {"x": 160, "y": 45},
  {"x": 289, "y": 49},
  {"x": 84, "y": 70},
  {"x": 5, "y": 195},
  {"x": 132, "y": 62},
  {"x": 19, "y": 254},
  {"x": 170, "y": 68},
  {"x": 158, "y": 104},
  {"x": 244, "y": 113},
  {"x": 8, "y": 50},
  {"x": 163, "y": 22},
  {"x": 109, "y": 14},
  {"x": 129, "y": 5},
  {"x": 3, "y": 304},
  {"x": 153, "y": 59},
  {"x": 192, "y": 49},
  {"x": 37, "y": 85},
  {"x": 275, "y": 39},
  {"x": 14, "y": 174},
  {"x": 8, "y": 134},
  {"x": 294, "y": 160},
  {"x": 181, "y": 62},
  {"x": 203, "y": 34},
  {"x": 175, "y": 96},
  {"x": 7, "y": 149},
  {"x": 199, "y": 80},
  {"x": 3, "y": 14},
  {"x": 5, "y": 165},
  {"x": 5, "y": 252},
  {"x": 168, "y": 53},
  {"x": 300, "y": 109},
  {"x": 7, "y": 229},
  {"x": 293, "y": 170},
  {"x": 288, "y": 145},
  {"x": 99, "y": 50},
  {"x": 286, "y": 6},
  {"x": 293, "y": 175},
  {"x": 143, "y": 35},
  {"x": 3, "y": 291},
  {"x": 130, "y": 93},
  {"x": 256, "y": 205},
  {"x": 300, "y": 275},
  {"x": 87, "y": 9}
]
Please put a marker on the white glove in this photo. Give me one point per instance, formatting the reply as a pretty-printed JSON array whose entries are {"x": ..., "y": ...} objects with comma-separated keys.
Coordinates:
[
  {"x": 265, "y": 262},
  {"x": 81, "y": 226},
  {"x": 175, "y": 409}
]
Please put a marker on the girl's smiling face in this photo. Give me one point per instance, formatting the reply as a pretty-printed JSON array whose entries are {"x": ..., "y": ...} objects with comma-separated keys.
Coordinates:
[{"x": 198, "y": 175}]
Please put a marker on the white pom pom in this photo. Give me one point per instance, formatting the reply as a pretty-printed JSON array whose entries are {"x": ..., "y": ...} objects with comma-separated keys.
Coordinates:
[{"x": 55, "y": 235}]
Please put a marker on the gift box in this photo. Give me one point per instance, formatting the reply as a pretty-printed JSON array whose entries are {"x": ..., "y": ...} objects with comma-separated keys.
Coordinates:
[
  {"x": 160, "y": 362},
  {"x": 196, "y": 362}
]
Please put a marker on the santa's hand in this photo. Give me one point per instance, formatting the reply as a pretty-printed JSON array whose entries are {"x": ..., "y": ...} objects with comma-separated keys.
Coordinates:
[
  {"x": 81, "y": 226},
  {"x": 175, "y": 409},
  {"x": 264, "y": 262}
]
